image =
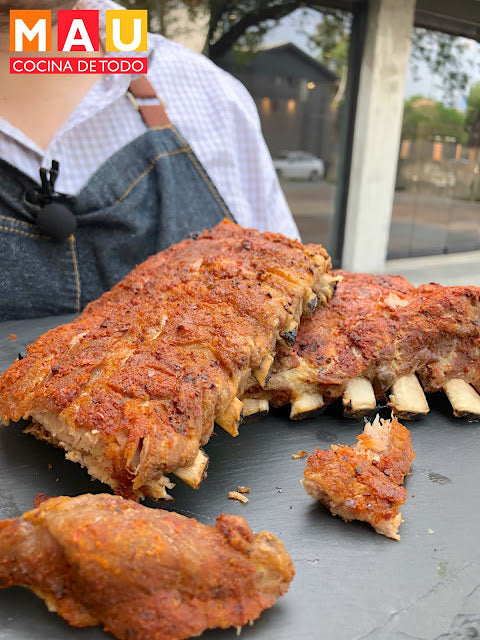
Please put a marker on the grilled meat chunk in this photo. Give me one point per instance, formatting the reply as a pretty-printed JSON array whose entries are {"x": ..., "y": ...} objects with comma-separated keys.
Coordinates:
[
  {"x": 379, "y": 333},
  {"x": 388, "y": 445},
  {"x": 142, "y": 573},
  {"x": 363, "y": 482},
  {"x": 131, "y": 388}
]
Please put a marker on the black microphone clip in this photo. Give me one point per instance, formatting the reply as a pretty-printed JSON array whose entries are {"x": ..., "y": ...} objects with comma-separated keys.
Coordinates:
[{"x": 53, "y": 217}]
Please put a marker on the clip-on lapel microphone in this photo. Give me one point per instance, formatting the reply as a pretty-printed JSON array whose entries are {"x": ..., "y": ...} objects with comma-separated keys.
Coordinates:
[{"x": 52, "y": 216}]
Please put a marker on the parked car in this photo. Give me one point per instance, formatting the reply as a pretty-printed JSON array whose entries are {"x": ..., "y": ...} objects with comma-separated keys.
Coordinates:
[{"x": 299, "y": 164}]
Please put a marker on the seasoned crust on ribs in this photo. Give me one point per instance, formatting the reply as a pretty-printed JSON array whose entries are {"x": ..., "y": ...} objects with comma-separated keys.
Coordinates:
[
  {"x": 441, "y": 341},
  {"x": 140, "y": 572},
  {"x": 131, "y": 388},
  {"x": 381, "y": 328},
  {"x": 363, "y": 482}
]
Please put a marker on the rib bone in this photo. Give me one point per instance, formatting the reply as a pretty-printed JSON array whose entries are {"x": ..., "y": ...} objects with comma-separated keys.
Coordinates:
[
  {"x": 463, "y": 398},
  {"x": 254, "y": 409},
  {"x": 358, "y": 397},
  {"x": 262, "y": 372},
  {"x": 408, "y": 399},
  {"x": 231, "y": 417},
  {"x": 196, "y": 472},
  {"x": 306, "y": 405}
]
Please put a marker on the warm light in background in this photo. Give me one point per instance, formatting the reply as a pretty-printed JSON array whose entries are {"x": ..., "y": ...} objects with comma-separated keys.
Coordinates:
[
  {"x": 405, "y": 149},
  {"x": 232, "y": 16},
  {"x": 437, "y": 151},
  {"x": 310, "y": 85},
  {"x": 291, "y": 106},
  {"x": 266, "y": 106}
]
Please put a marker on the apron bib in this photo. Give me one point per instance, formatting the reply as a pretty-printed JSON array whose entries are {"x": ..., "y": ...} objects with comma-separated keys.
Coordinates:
[{"x": 148, "y": 195}]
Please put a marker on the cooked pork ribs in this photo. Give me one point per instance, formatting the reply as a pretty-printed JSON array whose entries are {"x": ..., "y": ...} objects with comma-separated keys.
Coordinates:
[
  {"x": 142, "y": 573},
  {"x": 363, "y": 482},
  {"x": 131, "y": 388},
  {"x": 380, "y": 333}
]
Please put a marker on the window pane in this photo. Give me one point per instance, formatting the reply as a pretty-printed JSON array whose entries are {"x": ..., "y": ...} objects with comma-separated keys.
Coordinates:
[
  {"x": 436, "y": 206},
  {"x": 298, "y": 87}
]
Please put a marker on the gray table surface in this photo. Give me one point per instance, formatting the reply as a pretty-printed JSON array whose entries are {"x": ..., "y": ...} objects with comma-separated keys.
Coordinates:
[{"x": 350, "y": 582}]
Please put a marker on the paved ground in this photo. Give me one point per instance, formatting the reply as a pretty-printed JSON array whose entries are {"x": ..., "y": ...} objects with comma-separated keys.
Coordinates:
[
  {"x": 453, "y": 269},
  {"x": 422, "y": 224}
]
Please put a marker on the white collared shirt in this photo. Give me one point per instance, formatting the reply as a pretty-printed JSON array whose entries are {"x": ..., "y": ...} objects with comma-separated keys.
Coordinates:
[{"x": 211, "y": 109}]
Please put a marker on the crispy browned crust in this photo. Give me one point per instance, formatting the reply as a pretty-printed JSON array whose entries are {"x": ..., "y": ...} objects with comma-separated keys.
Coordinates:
[
  {"x": 142, "y": 573},
  {"x": 136, "y": 382},
  {"x": 381, "y": 328},
  {"x": 363, "y": 482},
  {"x": 442, "y": 341}
]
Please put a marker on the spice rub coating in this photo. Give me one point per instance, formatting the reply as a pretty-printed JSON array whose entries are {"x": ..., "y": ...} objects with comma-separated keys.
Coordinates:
[
  {"x": 142, "y": 573},
  {"x": 380, "y": 327},
  {"x": 363, "y": 482},
  {"x": 131, "y": 388}
]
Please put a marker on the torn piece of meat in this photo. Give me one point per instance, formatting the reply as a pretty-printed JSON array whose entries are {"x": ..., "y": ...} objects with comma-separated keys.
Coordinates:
[
  {"x": 388, "y": 445},
  {"x": 132, "y": 387},
  {"x": 380, "y": 334},
  {"x": 363, "y": 482},
  {"x": 142, "y": 573}
]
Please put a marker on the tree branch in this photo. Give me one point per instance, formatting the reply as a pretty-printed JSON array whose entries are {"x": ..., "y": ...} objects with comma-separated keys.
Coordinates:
[{"x": 272, "y": 12}]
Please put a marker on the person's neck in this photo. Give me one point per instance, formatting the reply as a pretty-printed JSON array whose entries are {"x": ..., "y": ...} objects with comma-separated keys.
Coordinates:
[{"x": 38, "y": 104}]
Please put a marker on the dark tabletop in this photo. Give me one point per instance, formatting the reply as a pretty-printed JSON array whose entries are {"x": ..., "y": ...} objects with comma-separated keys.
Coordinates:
[{"x": 350, "y": 582}]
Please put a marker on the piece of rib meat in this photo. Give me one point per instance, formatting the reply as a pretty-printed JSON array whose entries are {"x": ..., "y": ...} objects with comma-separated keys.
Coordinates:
[
  {"x": 440, "y": 336},
  {"x": 363, "y": 482},
  {"x": 376, "y": 331},
  {"x": 142, "y": 573},
  {"x": 131, "y": 388}
]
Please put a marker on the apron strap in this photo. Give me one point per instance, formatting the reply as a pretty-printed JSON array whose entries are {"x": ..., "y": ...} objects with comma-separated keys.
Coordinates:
[{"x": 153, "y": 115}]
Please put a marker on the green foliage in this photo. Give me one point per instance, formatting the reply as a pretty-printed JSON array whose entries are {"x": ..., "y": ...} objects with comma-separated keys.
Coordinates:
[
  {"x": 473, "y": 107},
  {"x": 247, "y": 21},
  {"x": 424, "y": 119},
  {"x": 442, "y": 53},
  {"x": 331, "y": 40}
]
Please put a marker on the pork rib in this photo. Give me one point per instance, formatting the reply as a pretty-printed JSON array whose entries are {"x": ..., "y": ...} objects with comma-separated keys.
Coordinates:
[
  {"x": 142, "y": 573},
  {"x": 363, "y": 482},
  {"x": 380, "y": 333},
  {"x": 131, "y": 388}
]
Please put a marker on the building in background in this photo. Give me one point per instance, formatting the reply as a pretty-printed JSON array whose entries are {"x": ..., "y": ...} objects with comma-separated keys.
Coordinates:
[
  {"x": 292, "y": 92},
  {"x": 391, "y": 190}
]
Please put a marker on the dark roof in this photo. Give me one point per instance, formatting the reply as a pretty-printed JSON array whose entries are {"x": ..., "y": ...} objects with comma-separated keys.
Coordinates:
[
  {"x": 290, "y": 46},
  {"x": 236, "y": 60}
]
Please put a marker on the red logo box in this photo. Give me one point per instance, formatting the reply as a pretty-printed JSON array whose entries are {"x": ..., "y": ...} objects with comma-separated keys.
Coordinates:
[{"x": 78, "y": 30}]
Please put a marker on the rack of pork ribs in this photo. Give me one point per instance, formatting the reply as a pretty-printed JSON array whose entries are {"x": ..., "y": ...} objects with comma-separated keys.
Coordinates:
[
  {"x": 131, "y": 389},
  {"x": 380, "y": 339}
]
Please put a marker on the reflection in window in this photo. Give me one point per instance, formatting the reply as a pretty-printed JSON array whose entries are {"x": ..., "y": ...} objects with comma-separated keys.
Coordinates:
[
  {"x": 266, "y": 106},
  {"x": 436, "y": 206},
  {"x": 302, "y": 78},
  {"x": 303, "y": 91}
]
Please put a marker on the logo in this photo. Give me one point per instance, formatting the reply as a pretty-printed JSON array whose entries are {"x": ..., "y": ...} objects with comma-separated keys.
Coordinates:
[{"x": 78, "y": 31}]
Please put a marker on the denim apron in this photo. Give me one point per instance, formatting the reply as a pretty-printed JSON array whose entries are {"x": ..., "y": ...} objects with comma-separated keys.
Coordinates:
[{"x": 148, "y": 195}]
